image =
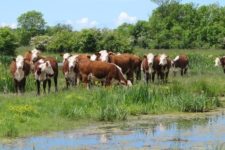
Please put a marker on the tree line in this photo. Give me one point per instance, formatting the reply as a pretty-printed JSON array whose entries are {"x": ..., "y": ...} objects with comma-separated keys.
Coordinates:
[{"x": 172, "y": 25}]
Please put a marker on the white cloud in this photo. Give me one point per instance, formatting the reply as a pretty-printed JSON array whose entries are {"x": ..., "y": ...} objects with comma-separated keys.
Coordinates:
[
  {"x": 12, "y": 25},
  {"x": 82, "y": 23},
  {"x": 125, "y": 18}
]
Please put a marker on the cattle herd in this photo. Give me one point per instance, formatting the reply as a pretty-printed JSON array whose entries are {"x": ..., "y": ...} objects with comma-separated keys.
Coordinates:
[{"x": 103, "y": 66}]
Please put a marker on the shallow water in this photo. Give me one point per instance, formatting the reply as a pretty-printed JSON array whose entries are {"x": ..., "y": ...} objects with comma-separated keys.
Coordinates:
[{"x": 207, "y": 132}]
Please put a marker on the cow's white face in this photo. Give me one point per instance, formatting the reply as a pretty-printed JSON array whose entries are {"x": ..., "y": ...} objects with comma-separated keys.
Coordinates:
[
  {"x": 46, "y": 68},
  {"x": 93, "y": 57},
  {"x": 163, "y": 59},
  {"x": 217, "y": 62},
  {"x": 66, "y": 56},
  {"x": 150, "y": 58},
  {"x": 19, "y": 62},
  {"x": 104, "y": 55},
  {"x": 35, "y": 54},
  {"x": 72, "y": 62}
]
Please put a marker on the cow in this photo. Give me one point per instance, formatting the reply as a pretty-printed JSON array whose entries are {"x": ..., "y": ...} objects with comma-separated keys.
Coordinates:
[
  {"x": 147, "y": 66},
  {"x": 44, "y": 71},
  {"x": 161, "y": 66},
  {"x": 180, "y": 62},
  {"x": 20, "y": 69},
  {"x": 71, "y": 75},
  {"x": 102, "y": 71},
  {"x": 34, "y": 56},
  {"x": 220, "y": 62},
  {"x": 129, "y": 63}
]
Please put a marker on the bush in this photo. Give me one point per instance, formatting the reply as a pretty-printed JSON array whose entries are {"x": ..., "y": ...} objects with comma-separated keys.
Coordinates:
[{"x": 8, "y": 41}]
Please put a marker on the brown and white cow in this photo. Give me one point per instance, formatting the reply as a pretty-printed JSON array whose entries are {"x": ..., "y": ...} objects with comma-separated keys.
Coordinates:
[
  {"x": 71, "y": 74},
  {"x": 34, "y": 56},
  {"x": 180, "y": 62},
  {"x": 103, "y": 71},
  {"x": 44, "y": 71},
  {"x": 129, "y": 63},
  {"x": 147, "y": 66},
  {"x": 20, "y": 69},
  {"x": 220, "y": 62},
  {"x": 161, "y": 66}
]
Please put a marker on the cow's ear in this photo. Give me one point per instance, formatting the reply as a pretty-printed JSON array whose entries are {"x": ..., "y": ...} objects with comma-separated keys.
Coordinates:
[
  {"x": 110, "y": 53},
  {"x": 145, "y": 56},
  {"x": 14, "y": 59},
  {"x": 61, "y": 54},
  {"x": 88, "y": 56},
  {"x": 46, "y": 64},
  {"x": 97, "y": 54}
]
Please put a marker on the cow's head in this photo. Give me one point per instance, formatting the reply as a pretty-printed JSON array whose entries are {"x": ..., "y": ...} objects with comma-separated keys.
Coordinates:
[
  {"x": 19, "y": 62},
  {"x": 104, "y": 55},
  {"x": 93, "y": 57},
  {"x": 150, "y": 58},
  {"x": 65, "y": 56},
  {"x": 72, "y": 62},
  {"x": 163, "y": 60},
  {"x": 217, "y": 62},
  {"x": 35, "y": 54},
  {"x": 45, "y": 67}
]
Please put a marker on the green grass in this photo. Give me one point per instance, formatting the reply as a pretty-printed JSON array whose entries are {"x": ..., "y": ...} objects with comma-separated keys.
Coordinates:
[{"x": 27, "y": 114}]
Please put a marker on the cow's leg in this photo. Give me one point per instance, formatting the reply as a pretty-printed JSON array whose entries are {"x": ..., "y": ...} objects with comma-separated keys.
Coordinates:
[
  {"x": 130, "y": 76},
  {"x": 67, "y": 82},
  {"x": 38, "y": 87},
  {"x": 147, "y": 76},
  {"x": 24, "y": 84},
  {"x": 49, "y": 85},
  {"x": 16, "y": 85},
  {"x": 108, "y": 81},
  {"x": 153, "y": 76},
  {"x": 86, "y": 81},
  {"x": 44, "y": 85},
  {"x": 181, "y": 71},
  {"x": 138, "y": 74},
  {"x": 185, "y": 71},
  {"x": 56, "y": 82},
  {"x": 166, "y": 76}
]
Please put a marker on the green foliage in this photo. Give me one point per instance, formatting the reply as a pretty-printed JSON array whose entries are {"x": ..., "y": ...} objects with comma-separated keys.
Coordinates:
[
  {"x": 40, "y": 42},
  {"x": 8, "y": 41},
  {"x": 30, "y": 24}
]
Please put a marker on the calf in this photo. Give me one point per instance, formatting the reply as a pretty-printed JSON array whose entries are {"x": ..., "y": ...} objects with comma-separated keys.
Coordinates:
[
  {"x": 147, "y": 66},
  {"x": 220, "y": 62},
  {"x": 161, "y": 66},
  {"x": 181, "y": 62},
  {"x": 20, "y": 69},
  {"x": 101, "y": 71}
]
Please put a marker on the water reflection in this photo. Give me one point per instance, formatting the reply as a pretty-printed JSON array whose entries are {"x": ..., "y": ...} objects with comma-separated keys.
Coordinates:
[{"x": 162, "y": 133}]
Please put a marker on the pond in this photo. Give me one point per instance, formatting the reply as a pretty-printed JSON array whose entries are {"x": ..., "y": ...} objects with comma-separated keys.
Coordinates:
[{"x": 158, "y": 132}]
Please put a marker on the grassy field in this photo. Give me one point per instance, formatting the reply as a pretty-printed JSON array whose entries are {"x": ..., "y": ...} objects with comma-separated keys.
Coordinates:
[{"x": 200, "y": 91}]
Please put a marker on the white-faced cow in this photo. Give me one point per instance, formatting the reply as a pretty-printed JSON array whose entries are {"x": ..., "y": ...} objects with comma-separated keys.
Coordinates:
[
  {"x": 103, "y": 71},
  {"x": 180, "y": 62},
  {"x": 20, "y": 69},
  {"x": 34, "y": 56},
  {"x": 147, "y": 66},
  {"x": 44, "y": 71},
  {"x": 161, "y": 66},
  {"x": 71, "y": 74},
  {"x": 220, "y": 62}
]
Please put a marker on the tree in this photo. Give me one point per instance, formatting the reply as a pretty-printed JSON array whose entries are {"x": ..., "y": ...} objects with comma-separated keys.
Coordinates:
[
  {"x": 57, "y": 28},
  {"x": 8, "y": 41},
  {"x": 30, "y": 24}
]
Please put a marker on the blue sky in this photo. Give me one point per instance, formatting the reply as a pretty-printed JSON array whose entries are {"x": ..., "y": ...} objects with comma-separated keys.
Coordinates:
[{"x": 84, "y": 13}]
